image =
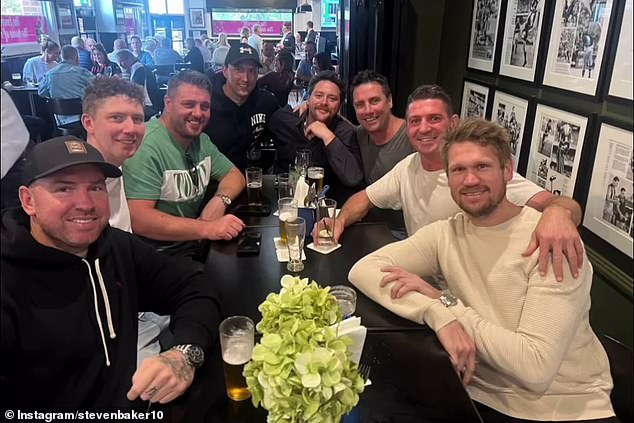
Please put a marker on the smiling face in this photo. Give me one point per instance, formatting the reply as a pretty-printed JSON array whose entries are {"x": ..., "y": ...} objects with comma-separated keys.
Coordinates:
[
  {"x": 324, "y": 101},
  {"x": 68, "y": 209},
  {"x": 116, "y": 128},
  {"x": 187, "y": 112},
  {"x": 241, "y": 80},
  {"x": 427, "y": 123},
  {"x": 98, "y": 57},
  {"x": 372, "y": 107},
  {"x": 476, "y": 179}
]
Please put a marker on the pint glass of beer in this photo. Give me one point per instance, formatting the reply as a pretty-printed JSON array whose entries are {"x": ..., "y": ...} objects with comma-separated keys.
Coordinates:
[
  {"x": 287, "y": 208},
  {"x": 236, "y": 343},
  {"x": 315, "y": 176},
  {"x": 254, "y": 185}
]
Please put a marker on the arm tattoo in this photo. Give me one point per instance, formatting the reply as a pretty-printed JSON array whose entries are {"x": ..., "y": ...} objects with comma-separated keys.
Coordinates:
[{"x": 183, "y": 371}]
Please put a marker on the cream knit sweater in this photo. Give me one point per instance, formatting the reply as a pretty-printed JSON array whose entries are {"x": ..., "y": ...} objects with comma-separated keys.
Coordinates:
[{"x": 537, "y": 355}]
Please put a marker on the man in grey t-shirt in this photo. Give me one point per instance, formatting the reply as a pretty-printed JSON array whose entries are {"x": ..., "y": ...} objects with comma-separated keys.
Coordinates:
[{"x": 382, "y": 137}]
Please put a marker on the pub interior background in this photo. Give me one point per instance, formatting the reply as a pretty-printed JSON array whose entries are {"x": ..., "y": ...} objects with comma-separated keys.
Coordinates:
[{"x": 411, "y": 42}]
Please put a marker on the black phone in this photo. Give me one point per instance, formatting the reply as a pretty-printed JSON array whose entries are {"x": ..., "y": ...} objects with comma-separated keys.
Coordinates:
[
  {"x": 252, "y": 210},
  {"x": 249, "y": 243}
]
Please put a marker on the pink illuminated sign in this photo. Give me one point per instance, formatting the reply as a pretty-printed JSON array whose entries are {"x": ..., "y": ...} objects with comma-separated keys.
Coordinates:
[
  {"x": 22, "y": 29},
  {"x": 233, "y": 27}
]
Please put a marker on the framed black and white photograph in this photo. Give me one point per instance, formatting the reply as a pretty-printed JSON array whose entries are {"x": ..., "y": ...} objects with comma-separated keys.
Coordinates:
[
  {"x": 475, "y": 98},
  {"x": 197, "y": 18},
  {"x": 555, "y": 150},
  {"x": 609, "y": 207},
  {"x": 621, "y": 81},
  {"x": 522, "y": 32},
  {"x": 510, "y": 112},
  {"x": 484, "y": 30},
  {"x": 577, "y": 44}
]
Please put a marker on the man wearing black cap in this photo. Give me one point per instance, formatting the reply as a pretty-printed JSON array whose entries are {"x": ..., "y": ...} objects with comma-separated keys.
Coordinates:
[
  {"x": 71, "y": 290},
  {"x": 243, "y": 116}
]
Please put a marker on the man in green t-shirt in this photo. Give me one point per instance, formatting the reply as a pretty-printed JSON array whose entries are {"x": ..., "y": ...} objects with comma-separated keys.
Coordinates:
[{"x": 166, "y": 181}]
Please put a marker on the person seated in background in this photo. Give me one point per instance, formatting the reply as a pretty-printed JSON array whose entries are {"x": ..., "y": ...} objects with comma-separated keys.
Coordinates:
[
  {"x": 520, "y": 340},
  {"x": 165, "y": 54},
  {"x": 206, "y": 53},
  {"x": 141, "y": 75},
  {"x": 89, "y": 43},
  {"x": 118, "y": 44},
  {"x": 245, "y": 117},
  {"x": 418, "y": 186},
  {"x": 36, "y": 67},
  {"x": 280, "y": 82},
  {"x": 142, "y": 56},
  {"x": 194, "y": 56},
  {"x": 220, "y": 53},
  {"x": 331, "y": 137},
  {"x": 166, "y": 181},
  {"x": 304, "y": 71},
  {"x": 66, "y": 80},
  {"x": 321, "y": 62},
  {"x": 101, "y": 65},
  {"x": 149, "y": 45},
  {"x": 268, "y": 59},
  {"x": 76, "y": 285},
  {"x": 85, "y": 59}
]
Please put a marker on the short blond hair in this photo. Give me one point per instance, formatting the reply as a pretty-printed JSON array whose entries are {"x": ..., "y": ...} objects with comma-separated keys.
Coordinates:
[{"x": 482, "y": 132}]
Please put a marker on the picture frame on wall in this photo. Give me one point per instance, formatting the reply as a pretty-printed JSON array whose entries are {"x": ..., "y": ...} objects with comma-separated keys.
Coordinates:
[
  {"x": 577, "y": 45},
  {"x": 555, "y": 150},
  {"x": 197, "y": 17},
  {"x": 522, "y": 33},
  {"x": 510, "y": 112},
  {"x": 484, "y": 31},
  {"x": 475, "y": 98},
  {"x": 609, "y": 208},
  {"x": 621, "y": 80}
]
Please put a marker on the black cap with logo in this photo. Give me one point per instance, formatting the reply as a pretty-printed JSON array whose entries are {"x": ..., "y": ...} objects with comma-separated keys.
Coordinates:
[{"x": 239, "y": 52}]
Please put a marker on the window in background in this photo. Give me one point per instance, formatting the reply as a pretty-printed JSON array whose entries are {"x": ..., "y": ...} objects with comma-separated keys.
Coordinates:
[
  {"x": 231, "y": 21},
  {"x": 157, "y": 7}
]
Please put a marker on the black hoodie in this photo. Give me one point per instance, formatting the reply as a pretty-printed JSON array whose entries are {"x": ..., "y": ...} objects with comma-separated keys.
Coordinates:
[{"x": 66, "y": 345}]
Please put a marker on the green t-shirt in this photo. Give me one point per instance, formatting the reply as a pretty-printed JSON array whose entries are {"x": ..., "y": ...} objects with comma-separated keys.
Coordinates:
[{"x": 177, "y": 179}]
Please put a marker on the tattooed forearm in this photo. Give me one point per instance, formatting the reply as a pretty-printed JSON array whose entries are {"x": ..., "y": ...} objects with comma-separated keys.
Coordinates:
[{"x": 179, "y": 366}]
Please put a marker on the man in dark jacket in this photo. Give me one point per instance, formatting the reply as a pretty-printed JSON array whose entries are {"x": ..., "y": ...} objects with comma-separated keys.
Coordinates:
[
  {"x": 245, "y": 118},
  {"x": 71, "y": 290}
]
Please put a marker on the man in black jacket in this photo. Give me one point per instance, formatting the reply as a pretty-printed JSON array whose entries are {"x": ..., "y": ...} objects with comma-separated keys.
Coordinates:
[
  {"x": 71, "y": 290},
  {"x": 245, "y": 118}
]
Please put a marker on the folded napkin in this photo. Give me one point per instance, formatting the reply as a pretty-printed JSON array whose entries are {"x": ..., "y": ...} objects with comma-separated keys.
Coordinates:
[
  {"x": 301, "y": 191},
  {"x": 322, "y": 250},
  {"x": 352, "y": 328}
]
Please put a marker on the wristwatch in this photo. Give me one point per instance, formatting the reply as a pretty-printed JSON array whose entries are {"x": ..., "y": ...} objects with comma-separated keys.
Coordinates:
[
  {"x": 225, "y": 199},
  {"x": 194, "y": 354},
  {"x": 447, "y": 298}
]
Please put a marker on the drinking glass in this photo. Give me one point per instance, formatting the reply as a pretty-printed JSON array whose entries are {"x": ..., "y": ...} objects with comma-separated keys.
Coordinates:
[
  {"x": 254, "y": 185},
  {"x": 284, "y": 187},
  {"x": 302, "y": 160},
  {"x": 325, "y": 226},
  {"x": 236, "y": 344},
  {"x": 287, "y": 210},
  {"x": 346, "y": 298},
  {"x": 315, "y": 176},
  {"x": 295, "y": 234}
]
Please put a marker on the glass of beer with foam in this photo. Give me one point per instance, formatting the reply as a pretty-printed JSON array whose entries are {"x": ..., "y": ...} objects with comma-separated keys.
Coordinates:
[
  {"x": 236, "y": 343},
  {"x": 254, "y": 185},
  {"x": 287, "y": 210}
]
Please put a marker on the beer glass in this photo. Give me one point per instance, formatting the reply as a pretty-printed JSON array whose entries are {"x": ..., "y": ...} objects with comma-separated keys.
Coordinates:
[
  {"x": 254, "y": 185},
  {"x": 295, "y": 234},
  {"x": 325, "y": 225},
  {"x": 346, "y": 298},
  {"x": 287, "y": 210},
  {"x": 302, "y": 160},
  {"x": 315, "y": 176},
  {"x": 284, "y": 188},
  {"x": 236, "y": 344}
]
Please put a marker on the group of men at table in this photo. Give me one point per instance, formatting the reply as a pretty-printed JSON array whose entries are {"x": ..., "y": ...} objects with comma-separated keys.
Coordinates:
[{"x": 514, "y": 320}]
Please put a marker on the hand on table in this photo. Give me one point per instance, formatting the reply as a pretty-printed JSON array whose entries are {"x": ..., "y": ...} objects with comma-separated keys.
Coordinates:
[
  {"x": 556, "y": 232},
  {"x": 161, "y": 378},
  {"x": 227, "y": 227},
  {"x": 404, "y": 282},
  {"x": 460, "y": 348}
]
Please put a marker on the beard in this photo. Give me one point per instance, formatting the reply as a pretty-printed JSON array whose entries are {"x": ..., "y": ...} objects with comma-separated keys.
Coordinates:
[{"x": 483, "y": 210}]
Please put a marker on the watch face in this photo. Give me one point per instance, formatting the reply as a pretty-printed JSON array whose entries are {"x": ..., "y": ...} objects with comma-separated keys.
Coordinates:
[{"x": 196, "y": 355}]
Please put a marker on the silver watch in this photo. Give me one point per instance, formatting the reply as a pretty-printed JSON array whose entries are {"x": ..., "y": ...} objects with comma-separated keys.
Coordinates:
[
  {"x": 447, "y": 298},
  {"x": 225, "y": 199},
  {"x": 194, "y": 354}
]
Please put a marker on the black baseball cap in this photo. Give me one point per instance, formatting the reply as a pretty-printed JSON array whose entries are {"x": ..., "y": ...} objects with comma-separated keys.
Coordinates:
[
  {"x": 239, "y": 52},
  {"x": 60, "y": 153}
]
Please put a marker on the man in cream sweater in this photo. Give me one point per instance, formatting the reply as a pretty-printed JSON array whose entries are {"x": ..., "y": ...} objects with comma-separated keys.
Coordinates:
[{"x": 521, "y": 342}]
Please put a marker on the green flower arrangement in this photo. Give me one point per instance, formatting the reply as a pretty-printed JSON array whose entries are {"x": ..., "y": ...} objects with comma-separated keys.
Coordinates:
[{"x": 301, "y": 371}]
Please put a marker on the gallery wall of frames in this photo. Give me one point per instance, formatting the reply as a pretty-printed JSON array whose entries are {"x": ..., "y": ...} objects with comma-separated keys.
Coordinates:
[{"x": 558, "y": 76}]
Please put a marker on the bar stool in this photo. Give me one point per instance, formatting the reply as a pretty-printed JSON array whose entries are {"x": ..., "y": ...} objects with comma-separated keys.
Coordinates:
[{"x": 67, "y": 106}]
